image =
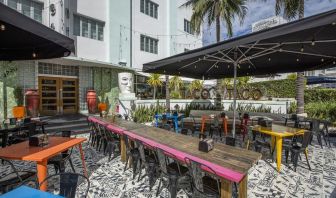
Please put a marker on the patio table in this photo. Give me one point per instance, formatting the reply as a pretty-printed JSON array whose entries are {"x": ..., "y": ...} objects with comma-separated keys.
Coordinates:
[
  {"x": 40, "y": 155},
  {"x": 277, "y": 133},
  {"x": 27, "y": 192},
  {"x": 231, "y": 164}
]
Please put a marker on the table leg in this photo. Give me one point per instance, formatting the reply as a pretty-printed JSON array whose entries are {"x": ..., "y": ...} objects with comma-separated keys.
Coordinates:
[
  {"x": 83, "y": 159},
  {"x": 42, "y": 170},
  {"x": 123, "y": 149},
  {"x": 242, "y": 189},
  {"x": 273, "y": 141},
  {"x": 279, "y": 152},
  {"x": 226, "y": 189}
]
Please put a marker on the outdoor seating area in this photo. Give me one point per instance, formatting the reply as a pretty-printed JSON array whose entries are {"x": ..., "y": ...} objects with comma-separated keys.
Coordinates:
[{"x": 79, "y": 127}]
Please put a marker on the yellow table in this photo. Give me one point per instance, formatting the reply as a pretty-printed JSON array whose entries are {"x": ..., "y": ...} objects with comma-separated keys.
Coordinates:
[{"x": 278, "y": 132}]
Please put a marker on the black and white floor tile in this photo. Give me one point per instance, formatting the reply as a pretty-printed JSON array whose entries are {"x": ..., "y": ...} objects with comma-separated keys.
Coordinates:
[{"x": 108, "y": 178}]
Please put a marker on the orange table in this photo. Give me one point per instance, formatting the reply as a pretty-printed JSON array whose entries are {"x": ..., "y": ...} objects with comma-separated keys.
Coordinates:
[{"x": 40, "y": 155}]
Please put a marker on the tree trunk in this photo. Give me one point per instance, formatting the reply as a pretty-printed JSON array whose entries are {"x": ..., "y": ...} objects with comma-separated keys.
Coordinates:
[
  {"x": 167, "y": 93},
  {"x": 300, "y": 84},
  {"x": 154, "y": 92},
  {"x": 218, "y": 92}
]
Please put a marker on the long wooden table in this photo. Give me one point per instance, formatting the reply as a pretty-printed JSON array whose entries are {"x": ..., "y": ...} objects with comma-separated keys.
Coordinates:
[
  {"x": 40, "y": 155},
  {"x": 277, "y": 133},
  {"x": 230, "y": 163}
]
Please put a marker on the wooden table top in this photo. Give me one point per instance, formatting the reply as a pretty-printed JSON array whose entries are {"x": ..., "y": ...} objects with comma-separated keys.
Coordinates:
[
  {"x": 233, "y": 158},
  {"x": 22, "y": 151},
  {"x": 279, "y": 130}
]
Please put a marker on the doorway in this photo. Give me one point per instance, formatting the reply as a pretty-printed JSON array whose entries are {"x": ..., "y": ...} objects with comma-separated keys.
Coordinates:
[{"x": 58, "y": 95}]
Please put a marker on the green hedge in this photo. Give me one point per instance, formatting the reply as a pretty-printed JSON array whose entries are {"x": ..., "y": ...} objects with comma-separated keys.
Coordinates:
[
  {"x": 321, "y": 110},
  {"x": 320, "y": 95},
  {"x": 277, "y": 88}
]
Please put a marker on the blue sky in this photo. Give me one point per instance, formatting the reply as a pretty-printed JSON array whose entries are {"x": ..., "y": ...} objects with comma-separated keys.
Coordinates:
[{"x": 258, "y": 10}]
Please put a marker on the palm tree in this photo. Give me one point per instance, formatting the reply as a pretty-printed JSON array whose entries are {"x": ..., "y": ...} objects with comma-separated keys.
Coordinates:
[
  {"x": 167, "y": 93},
  {"x": 176, "y": 83},
  {"x": 195, "y": 84},
  {"x": 154, "y": 81},
  {"x": 293, "y": 9},
  {"x": 215, "y": 11}
]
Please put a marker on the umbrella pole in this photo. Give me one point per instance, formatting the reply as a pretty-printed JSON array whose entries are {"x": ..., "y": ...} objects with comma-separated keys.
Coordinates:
[{"x": 234, "y": 97}]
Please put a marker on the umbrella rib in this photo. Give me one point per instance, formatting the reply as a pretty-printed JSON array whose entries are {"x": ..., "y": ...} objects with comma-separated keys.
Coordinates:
[
  {"x": 243, "y": 55},
  {"x": 295, "y": 42},
  {"x": 189, "y": 64},
  {"x": 259, "y": 54},
  {"x": 214, "y": 64}
]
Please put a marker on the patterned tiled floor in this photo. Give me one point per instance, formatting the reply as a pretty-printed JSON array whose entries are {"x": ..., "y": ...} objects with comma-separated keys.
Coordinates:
[{"x": 109, "y": 180}]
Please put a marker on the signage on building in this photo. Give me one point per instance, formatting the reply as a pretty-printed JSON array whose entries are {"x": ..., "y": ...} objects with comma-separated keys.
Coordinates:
[{"x": 268, "y": 23}]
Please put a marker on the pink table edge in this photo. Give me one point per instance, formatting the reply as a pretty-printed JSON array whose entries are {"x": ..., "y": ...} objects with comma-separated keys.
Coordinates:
[{"x": 220, "y": 171}]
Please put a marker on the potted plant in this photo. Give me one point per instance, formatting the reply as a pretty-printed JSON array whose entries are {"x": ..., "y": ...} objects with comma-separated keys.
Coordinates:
[
  {"x": 19, "y": 110},
  {"x": 102, "y": 105}
]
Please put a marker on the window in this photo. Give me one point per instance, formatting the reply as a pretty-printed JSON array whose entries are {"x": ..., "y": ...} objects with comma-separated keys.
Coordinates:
[
  {"x": 13, "y": 4},
  {"x": 88, "y": 28},
  {"x": 150, "y": 8},
  {"x": 29, "y": 8},
  {"x": 149, "y": 44},
  {"x": 187, "y": 27}
]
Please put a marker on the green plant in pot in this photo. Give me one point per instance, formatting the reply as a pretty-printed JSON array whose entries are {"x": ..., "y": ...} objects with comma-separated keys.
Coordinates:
[{"x": 19, "y": 110}]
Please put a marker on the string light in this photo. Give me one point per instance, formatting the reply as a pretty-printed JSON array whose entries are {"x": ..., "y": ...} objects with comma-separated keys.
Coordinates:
[
  {"x": 269, "y": 59},
  {"x": 302, "y": 49},
  {"x": 333, "y": 23},
  {"x": 322, "y": 60},
  {"x": 297, "y": 60},
  {"x": 2, "y": 27},
  {"x": 313, "y": 42},
  {"x": 34, "y": 55}
]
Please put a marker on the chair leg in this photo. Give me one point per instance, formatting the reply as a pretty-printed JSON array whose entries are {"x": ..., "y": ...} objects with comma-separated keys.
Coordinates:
[
  {"x": 286, "y": 154},
  {"x": 72, "y": 166},
  {"x": 140, "y": 170},
  {"x": 307, "y": 160},
  {"x": 295, "y": 159},
  {"x": 127, "y": 158},
  {"x": 159, "y": 187},
  {"x": 56, "y": 167},
  {"x": 135, "y": 164},
  {"x": 319, "y": 140}
]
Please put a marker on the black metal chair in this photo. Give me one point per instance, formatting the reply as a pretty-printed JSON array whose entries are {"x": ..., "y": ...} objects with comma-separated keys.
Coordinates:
[
  {"x": 16, "y": 178},
  {"x": 166, "y": 127},
  {"x": 67, "y": 184},
  {"x": 231, "y": 141},
  {"x": 148, "y": 161},
  {"x": 60, "y": 160},
  {"x": 24, "y": 132},
  {"x": 298, "y": 148},
  {"x": 184, "y": 131},
  {"x": 317, "y": 131},
  {"x": 111, "y": 142},
  {"x": 196, "y": 126},
  {"x": 203, "y": 184},
  {"x": 215, "y": 127},
  {"x": 176, "y": 174},
  {"x": 131, "y": 154}
]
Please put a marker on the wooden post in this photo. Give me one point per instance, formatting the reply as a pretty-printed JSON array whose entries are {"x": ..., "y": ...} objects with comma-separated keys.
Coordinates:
[
  {"x": 242, "y": 189},
  {"x": 226, "y": 188},
  {"x": 123, "y": 149}
]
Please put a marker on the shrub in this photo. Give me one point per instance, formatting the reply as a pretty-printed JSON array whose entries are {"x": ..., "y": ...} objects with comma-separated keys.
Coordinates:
[
  {"x": 321, "y": 110},
  {"x": 277, "y": 88},
  {"x": 320, "y": 95}
]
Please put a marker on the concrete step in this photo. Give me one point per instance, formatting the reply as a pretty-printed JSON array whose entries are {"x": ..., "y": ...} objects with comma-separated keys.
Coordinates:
[{"x": 72, "y": 127}]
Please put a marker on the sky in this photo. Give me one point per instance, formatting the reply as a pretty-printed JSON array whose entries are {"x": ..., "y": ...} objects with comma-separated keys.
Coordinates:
[{"x": 258, "y": 10}]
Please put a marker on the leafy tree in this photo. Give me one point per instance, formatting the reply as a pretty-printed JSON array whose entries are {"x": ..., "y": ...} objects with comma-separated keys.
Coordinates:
[
  {"x": 154, "y": 81},
  {"x": 292, "y": 76}
]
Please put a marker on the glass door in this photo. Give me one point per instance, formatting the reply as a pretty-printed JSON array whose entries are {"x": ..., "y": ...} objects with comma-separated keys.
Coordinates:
[
  {"x": 58, "y": 95},
  {"x": 48, "y": 88},
  {"x": 68, "y": 96}
]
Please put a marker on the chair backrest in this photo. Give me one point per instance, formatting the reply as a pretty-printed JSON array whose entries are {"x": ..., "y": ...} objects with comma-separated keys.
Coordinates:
[
  {"x": 216, "y": 121},
  {"x": 167, "y": 127},
  {"x": 26, "y": 120},
  {"x": 31, "y": 128},
  {"x": 184, "y": 131},
  {"x": 66, "y": 133},
  {"x": 197, "y": 173},
  {"x": 306, "y": 139},
  {"x": 231, "y": 141},
  {"x": 67, "y": 184},
  {"x": 12, "y": 121}
]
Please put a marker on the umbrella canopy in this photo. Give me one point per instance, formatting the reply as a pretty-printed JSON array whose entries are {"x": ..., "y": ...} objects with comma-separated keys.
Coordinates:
[
  {"x": 23, "y": 38},
  {"x": 305, "y": 44}
]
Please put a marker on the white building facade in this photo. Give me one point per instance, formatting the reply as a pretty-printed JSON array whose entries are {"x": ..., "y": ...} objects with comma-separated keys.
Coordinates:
[{"x": 110, "y": 36}]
